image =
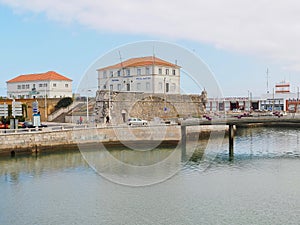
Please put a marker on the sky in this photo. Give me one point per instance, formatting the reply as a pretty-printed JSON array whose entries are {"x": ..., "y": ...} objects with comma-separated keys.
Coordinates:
[{"x": 237, "y": 40}]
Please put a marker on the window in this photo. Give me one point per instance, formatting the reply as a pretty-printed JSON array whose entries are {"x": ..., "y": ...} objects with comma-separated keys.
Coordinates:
[
  {"x": 160, "y": 85},
  {"x": 119, "y": 87},
  {"x": 167, "y": 71},
  {"x": 167, "y": 87},
  {"x": 54, "y": 84},
  {"x": 174, "y": 72},
  {"x": 160, "y": 71},
  {"x": 19, "y": 87},
  {"x": 104, "y": 74},
  {"x": 148, "y": 86},
  {"x": 66, "y": 85},
  {"x": 173, "y": 88},
  {"x": 128, "y": 87},
  {"x": 139, "y": 71},
  {"x": 41, "y": 85},
  {"x": 138, "y": 86},
  {"x": 27, "y": 86},
  {"x": 23, "y": 86},
  {"x": 128, "y": 72},
  {"x": 111, "y": 73},
  {"x": 119, "y": 73},
  {"x": 104, "y": 86},
  {"x": 111, "y": 87},
  {"x": 147, "y": 70},
  {"x": 45, "y": 85}
]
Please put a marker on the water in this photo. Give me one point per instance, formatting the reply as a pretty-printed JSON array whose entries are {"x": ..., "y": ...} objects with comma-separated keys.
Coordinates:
[{"x": 260, "y": 186}]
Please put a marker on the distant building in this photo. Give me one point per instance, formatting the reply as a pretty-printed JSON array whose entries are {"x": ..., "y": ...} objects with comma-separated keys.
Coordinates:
[
  {"x": 281, "y": 99},
  {"x": 145, "y": 74},
  {"x": 41, "y": 85},
  {"x": 232, "y": 104}
]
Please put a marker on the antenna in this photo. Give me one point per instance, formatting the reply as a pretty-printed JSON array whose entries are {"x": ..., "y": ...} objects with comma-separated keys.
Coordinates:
[
  {"x": 153, "y": 56},
  {"x": 267, "y": 80},
  {"x": 121, "y": 63},
  {"x": 153, "y": 67}
]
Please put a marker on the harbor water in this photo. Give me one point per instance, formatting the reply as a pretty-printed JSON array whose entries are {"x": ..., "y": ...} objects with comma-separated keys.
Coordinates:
[{"x": 260, "y": 185}]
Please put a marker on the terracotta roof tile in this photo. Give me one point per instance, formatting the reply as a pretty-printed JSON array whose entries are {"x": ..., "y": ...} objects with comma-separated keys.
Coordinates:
[
  {"x": 141, "y": 61},
  {"x": 50, "y": 75}
]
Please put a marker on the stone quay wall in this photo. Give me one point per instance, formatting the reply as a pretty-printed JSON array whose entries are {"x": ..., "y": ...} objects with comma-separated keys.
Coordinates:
[{"x": 38, "y": 141}]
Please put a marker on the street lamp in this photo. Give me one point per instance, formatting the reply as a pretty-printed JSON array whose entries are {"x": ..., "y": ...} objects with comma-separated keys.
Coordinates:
[
  {"x": 46, "y": 114},
  {"x": 87, "y": 106}
]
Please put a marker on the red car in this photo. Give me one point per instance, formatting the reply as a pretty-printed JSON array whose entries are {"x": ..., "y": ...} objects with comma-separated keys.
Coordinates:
[{"x": 3, "y": 126}]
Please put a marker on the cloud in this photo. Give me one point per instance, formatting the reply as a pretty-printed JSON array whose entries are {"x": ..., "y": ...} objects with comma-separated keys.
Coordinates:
[{"x": 266, "y": 28}]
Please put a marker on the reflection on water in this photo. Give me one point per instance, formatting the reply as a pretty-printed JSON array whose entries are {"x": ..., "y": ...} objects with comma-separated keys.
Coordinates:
[
  {"x": 260, "y": 186},
  {"x": 268, "y": 142}
]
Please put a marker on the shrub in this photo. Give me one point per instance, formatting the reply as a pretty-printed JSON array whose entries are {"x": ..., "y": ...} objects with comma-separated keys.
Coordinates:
[{"x": 64, "y": 102}]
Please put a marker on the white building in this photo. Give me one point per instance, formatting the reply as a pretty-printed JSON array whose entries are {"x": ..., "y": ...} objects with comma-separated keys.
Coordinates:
[
  {"x": 49, "y": 84},
  {"x": 281, "y": 99},
  {"x": 145, "y": 74}
]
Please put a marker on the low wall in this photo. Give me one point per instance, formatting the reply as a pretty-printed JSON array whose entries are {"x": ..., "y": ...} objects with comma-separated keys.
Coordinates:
[
  {"x": 94, "y": 137},
  {"x": 28, "y": 142}
]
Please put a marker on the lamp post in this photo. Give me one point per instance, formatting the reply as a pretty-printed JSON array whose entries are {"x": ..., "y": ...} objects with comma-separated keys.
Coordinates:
[
  {"x": 87, "y": 106},
  {"x": 46, "y": 114},
  {"x": 165, "y": 95}
]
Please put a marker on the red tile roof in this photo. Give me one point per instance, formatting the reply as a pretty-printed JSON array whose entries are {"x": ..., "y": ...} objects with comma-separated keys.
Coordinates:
[
  {"x": 141, "y": 61},
  {"x": 50, "y": 75}
]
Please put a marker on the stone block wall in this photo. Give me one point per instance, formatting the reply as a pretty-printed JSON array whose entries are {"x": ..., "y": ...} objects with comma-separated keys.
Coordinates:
[{"x": 119, "y": 106}]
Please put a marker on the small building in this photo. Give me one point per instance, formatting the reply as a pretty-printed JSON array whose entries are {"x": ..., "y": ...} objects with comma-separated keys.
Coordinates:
[
  {"x": 40, "y": 85},
  {"x": 144, "y": 74},
  {"x": 232, "y": 104},
  {"x": 282, "y": 99}
]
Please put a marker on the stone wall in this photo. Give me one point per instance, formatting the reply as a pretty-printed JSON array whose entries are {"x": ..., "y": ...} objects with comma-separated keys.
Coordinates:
[
  {"x": 119, "y": 106},
  {"x": 47, "y": 139}
]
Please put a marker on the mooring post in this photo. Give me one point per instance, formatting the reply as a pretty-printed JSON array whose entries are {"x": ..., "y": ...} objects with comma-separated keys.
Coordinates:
[
  {"x": 183, "y": 143},
  {"x": 231, "y": 139}
]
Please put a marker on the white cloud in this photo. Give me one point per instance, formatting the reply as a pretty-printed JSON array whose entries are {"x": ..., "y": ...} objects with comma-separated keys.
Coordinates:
[{"x": 266, "y": 28}]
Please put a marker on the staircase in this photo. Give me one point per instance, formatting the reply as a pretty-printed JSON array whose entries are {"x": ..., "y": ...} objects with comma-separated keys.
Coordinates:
[{"x": 59, "y": 115}]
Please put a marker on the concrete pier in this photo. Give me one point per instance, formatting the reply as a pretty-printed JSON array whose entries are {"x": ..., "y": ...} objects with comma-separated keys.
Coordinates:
[
  {"x": 183, "y": 143},
  {"x": 231, "y": 140}
]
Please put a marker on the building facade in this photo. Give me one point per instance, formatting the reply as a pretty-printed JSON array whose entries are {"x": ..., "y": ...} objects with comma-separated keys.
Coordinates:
[
  {"x": 42, "y": 85},
  {"x": 145, "y": 74},
  {"x": 280, "y": 99}
]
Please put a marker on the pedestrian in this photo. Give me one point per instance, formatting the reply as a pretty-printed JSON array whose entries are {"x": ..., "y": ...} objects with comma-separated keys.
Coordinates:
[
  {"x": 107, "y": 119},
  {"x": 80, "y": 120}
]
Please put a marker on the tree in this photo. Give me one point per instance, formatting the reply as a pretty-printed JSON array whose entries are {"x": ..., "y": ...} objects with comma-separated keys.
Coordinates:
[{"x": 64, "y": 102}]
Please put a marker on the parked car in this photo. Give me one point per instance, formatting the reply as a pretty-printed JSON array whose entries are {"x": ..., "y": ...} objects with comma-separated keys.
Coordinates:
[
  {"x": 4, "y": 125},
  {"x": 137, "y": 122},
  {"x": 28, "y": 124}
]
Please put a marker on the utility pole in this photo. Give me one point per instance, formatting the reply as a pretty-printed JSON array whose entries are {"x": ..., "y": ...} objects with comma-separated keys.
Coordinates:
[
  {"x": 87, "y": 106},
  {"x": 297, "y": 99},
  {"x": 273, "y": 100},
  {"x": 46, "y": 113},
  {"x": 267, "y": 80}
]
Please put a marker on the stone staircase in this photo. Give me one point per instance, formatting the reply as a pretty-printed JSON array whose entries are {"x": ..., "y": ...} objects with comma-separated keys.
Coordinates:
[{"x": 59, "y": 115}]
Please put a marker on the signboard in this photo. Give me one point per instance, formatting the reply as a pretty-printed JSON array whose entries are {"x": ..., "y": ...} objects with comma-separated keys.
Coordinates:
[
  {"x": 35, "y": 107},
  {"x": 36, "y": 120},
  {"x": 17, "y": 108},
  {"x": 14, "y": 123},
  {"x": 4, "y": 110}
]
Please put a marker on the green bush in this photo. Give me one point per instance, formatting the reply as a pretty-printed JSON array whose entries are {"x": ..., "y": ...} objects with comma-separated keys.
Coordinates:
[{"x": 64, "y": 102}]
